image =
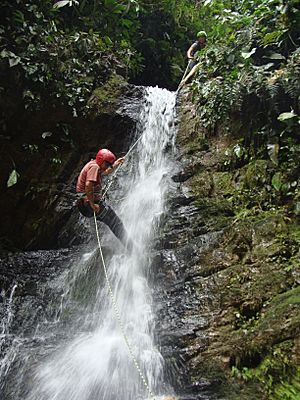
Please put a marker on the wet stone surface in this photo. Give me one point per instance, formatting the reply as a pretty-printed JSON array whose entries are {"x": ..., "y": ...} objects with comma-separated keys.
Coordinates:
[{"x": 27, "y": 284}]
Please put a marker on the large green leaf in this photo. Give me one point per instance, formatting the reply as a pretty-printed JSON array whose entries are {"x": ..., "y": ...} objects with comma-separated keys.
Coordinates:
[
  {"x": 275, "y": 56},
  {"x": 13, "y": 178},
  {"x": 277, "y": 181},
  {"x": 46, "y": 134},
  {"x": 61, "y": 3},
  {"x": 273, "y": 150},
  {"x": 13, "y": 59},
  {"x": 248, "y": 54},
  {"x": 286, "y": 115},
  {"x": 238, "y": 150}
]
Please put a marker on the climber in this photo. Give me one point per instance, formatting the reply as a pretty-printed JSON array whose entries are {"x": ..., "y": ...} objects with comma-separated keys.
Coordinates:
[
  {"x": 193, "y": 63},
  {"x": 89, "y": 186},
  {"x": 196, "y": 46}
]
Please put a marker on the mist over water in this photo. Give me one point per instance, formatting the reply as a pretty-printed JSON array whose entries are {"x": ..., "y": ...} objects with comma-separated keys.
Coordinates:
[{"x": 94, "y": 363}]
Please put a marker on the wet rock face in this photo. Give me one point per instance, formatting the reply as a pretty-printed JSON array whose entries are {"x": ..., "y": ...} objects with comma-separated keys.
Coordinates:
[
  {"x": 46, "y": 299},
  {"x": 229, "y": 276},
  {"x": 24, "y": 281},
  {"x": 39, "y": 210}
]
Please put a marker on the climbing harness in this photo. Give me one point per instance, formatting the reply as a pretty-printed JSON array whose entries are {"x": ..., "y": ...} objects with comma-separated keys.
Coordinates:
[{"x": 114, "y": 303}]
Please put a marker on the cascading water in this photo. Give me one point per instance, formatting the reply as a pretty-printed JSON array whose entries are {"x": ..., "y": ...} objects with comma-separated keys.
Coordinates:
[
  {"x": 92, "y": 361},
  {"x": 5, "y": 330}
]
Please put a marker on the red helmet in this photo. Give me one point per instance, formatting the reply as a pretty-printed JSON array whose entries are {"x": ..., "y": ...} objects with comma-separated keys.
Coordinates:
[{"x": 105, "y": 155}]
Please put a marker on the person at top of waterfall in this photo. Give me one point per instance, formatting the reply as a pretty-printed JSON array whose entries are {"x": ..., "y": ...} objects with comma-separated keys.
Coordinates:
[
  {"x": 193, "y": 63},
  {"x": 199, "y": 44},
  {"x": 89, "y": 186}
]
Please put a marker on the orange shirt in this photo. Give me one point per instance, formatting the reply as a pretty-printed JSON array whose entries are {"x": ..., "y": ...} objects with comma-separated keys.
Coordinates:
[{"x": 90, "y": 172}]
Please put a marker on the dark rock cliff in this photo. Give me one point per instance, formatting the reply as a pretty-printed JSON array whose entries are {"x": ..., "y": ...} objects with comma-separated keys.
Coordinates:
[
  {"x": 38, "y": 209},
  {"x": 229, "y": 313}
]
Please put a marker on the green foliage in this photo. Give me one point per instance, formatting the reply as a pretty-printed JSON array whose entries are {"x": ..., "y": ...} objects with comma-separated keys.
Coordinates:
[
  {"x": 286, "y": 116},
  {"x": 246, "y": 323},
  {"x": 168, "y": 28},
  {"x": 248, "y": 85},
  {"x": 60, "y": 52},
  {"x": 245, "y": 56},
  {"x": 235, "y": 156},
  {"x": 277, "y": 374},
  {"x": 13, "y": 178},
  {"x": 53, "y": 58},
  {"x": 64, "y": 52},
  {"x": 277, "y": 181}
]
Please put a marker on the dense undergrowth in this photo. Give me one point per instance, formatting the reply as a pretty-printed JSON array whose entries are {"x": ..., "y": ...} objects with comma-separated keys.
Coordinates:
[
  {"x": 64, "y": 49},
  {"x": 247, "y": 89}
]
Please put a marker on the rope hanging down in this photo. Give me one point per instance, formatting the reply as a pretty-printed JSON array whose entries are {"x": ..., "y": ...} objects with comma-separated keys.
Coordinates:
[
  {"x": 183, "y": 76},
  {"x": 118, "y": 317},
  {"x": 114, "y": 303}
]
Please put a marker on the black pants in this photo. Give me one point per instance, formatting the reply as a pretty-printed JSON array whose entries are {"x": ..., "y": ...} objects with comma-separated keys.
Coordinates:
[
  {"x": 191, "y": 64},
  {"x": 109, "y": 218}
]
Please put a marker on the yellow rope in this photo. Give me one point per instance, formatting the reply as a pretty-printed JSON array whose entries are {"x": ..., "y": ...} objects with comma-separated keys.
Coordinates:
[
  {"x": 118, "y": 317},
  {"x": 183, "y": 76}
]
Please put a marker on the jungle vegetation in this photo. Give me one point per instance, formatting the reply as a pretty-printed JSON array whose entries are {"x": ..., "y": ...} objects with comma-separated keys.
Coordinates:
[
  {"x": 63, "y": 50},
  {"x": 248, "y": 82},
  {"x": 247, "y": 87}
]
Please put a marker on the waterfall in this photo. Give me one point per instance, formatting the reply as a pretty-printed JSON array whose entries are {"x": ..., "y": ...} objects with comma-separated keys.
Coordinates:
[
  {"x": 5, "y": 331},
  {"x": 92, "y": 361}
]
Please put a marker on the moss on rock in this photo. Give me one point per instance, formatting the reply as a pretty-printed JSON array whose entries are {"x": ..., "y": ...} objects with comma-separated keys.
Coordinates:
[
  {"x": 247, "y": 280},
  {"x": 105, "y": 98},
  {"x": 202, "y": 184},
  {"x": 224, "y": 184},
  {"x": 255, "y": 174}
]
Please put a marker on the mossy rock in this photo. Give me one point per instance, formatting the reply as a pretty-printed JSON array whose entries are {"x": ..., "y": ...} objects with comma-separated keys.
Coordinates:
[
  {"x": 294, "y": 231},
  {"x": 197, "y": 144},
  {"x": 268, "y": 236},
  {"x": 206, "y": 183},
  {"x": 287, "y": 299},
  {"x": 255, "y": 174},
  {"x": 106, "y": 98},
  {"x": 278, "y": 373},
  {"x": 190, "y": 135},
  {"x": 201, "y": 184},
  {"x": 214, "y": 207},
  {"x": 224, "y": 183}
]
